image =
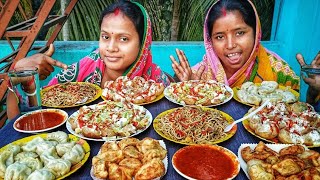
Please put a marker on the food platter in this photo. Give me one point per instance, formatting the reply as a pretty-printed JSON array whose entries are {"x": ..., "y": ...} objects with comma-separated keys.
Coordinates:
[
  {"x": 72, "y": 138},
  {"x": 221, "y": 117},
  {"x": 75, "y": 115},
  {"x": 196, "y": 162},
  {"x": 279, "y": 123},
  {"x": 274, "y": 147},
  {"x": 71, "y": 94},
  {"x": 137, "y": 90},
  {"x": 40, "y": 120},
  {"x": 236, "y": 89},
  {"x": 144, "y": 103},
  {"x": 164, "y": 161},
  {"x": 198, "y": 92}
]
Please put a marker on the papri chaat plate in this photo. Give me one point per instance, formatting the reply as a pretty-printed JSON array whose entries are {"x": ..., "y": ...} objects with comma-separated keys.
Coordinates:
[
  {"x": 144, "y": 103},
  {"x": 137, "y": 90},
  {"x": 198, "y": 93},
  {"x": 236, "y": 97},
  {"x": 122, "y": 118},
  {"x": 207, "y": 125},
  {"x": 72, "y": 138},
  {"x": 70, "y": 94},
  {"x": 196, "y": 162},
  {"x": 295, "y": 123}
]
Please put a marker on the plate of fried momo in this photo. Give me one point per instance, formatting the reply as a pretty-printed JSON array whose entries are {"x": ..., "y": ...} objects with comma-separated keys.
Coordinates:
[
  {"x": 272, "y": 161},
  {"x": 251, "y": 94},
  {"x": 47, "y": 156},
  {"x": 130, "y": 158}
]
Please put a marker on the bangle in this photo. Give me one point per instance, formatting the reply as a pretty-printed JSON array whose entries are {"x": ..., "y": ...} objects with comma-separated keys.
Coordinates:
[{"x": 31, "y": 94}]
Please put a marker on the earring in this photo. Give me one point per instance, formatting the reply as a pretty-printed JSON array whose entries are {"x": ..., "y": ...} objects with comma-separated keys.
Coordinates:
[{"x": 234, "y": 45}]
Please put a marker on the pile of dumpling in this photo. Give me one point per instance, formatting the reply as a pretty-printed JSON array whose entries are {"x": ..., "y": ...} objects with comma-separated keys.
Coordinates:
[
  {"x": 255, "y": 94},
  {"x": 40, "y": 158}
]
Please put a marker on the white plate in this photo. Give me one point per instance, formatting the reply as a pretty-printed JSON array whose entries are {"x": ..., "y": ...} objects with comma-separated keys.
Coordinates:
[
  {"x": 223, "y": 150},
  {"x": 114, "y": 138},
  {"x": 59, "y": 111},
  {"x": 166, "y": 94},
  {"x": 165, "y": 162},
  {"x": 275, "y": 147}
]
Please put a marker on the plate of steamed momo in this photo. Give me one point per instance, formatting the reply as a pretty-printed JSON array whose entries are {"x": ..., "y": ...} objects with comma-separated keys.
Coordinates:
[
  {"x": 254, "y": 94},
  {"x": 47, "y": 156}
]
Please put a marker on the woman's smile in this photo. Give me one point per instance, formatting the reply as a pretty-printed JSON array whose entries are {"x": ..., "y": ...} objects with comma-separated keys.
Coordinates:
[{"x": 234, "y": 58}]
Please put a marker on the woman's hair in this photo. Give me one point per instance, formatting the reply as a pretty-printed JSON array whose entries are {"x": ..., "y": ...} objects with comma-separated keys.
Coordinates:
[
  {"x": 224, "y": 6},
  {"x": 131, "y": 10}
]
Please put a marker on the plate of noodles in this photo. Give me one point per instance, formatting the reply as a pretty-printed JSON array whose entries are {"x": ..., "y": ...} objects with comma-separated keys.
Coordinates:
[
  {"x": 70, "y": 94},
  {"x": 194, "y": 125}
]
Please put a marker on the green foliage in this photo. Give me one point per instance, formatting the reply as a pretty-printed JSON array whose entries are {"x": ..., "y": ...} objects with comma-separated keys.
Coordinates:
[{"x": 84, "y": 20}]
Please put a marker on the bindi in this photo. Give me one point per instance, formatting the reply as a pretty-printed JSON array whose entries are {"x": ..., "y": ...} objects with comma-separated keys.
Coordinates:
[
  {"x": 116, "y": 11},
  {"x": 224, "y": 11}
]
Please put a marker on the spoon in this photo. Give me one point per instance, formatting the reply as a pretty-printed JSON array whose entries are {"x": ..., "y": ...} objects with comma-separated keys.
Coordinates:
[
  {"x": 85, "y": 99},
  {"x": 229, "y": 127}
]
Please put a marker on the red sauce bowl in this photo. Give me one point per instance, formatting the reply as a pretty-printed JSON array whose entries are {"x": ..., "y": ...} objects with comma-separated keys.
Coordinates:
[
  {"x": 40, "y": 120},
  {"x": 206, "y": 162}
]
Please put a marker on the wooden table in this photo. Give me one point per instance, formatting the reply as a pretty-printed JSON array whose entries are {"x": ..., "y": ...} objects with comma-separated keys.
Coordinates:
[{"x": 233, "y": 108}]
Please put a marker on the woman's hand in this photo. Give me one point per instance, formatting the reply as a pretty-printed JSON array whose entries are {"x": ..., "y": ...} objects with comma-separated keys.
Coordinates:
[
  {"x": 43, "y": 62},
  {"x": 183, "y": 70}
]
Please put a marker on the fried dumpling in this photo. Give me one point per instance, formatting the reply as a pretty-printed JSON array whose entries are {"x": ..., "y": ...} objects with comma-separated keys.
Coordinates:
[
  {"x": 154, "y": 153},
  {"x": 112, "y": 145},
  {"x": 131, "y": 151},
  {"x": 147, "y": 144},
  {"x": 128, "y": 142},
  {"x": 99, "y": 168},
  {"x": 131, "y": 163},
  {"x": 114, "y": 171},
  {"x": 111, "y": 156},
  {"x": 257, "y": 170},
  {"x": 287, "y": 167},
  {"x": 151, "y": 170}
]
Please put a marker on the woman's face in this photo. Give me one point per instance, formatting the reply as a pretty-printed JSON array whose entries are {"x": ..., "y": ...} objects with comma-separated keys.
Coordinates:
[
  {"x": 232, "y": 40},
  {"x": 119, "y": 43}
]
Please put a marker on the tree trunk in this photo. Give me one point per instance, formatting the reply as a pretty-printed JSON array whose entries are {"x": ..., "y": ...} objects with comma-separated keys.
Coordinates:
[
  {"x": 65, "y": 28},
  {"x": 175, "y": 20}
]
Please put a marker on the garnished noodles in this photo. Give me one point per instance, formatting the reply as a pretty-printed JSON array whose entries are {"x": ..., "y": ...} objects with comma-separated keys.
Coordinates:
[
  {"x": 193, "y": 125},
  {"x": 68, "y": 94}
]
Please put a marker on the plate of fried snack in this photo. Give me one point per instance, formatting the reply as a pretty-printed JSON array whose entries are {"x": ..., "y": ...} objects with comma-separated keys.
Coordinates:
[
  {"x": 198, "y": 92},
  {"x": 251, "y": 94},
  {"x": 278, "y": 161},
  {"x": 47, "y": 156},
  {"x": 296, "y": 123},
  {"x": 130, "y": 158},
  {"x": 137, "y": 90}
]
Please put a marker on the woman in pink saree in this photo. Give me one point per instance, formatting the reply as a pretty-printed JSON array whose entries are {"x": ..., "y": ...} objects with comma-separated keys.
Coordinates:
[
  {"x": 234, "y": 54},
  {"x": 124, "y": 49}
]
